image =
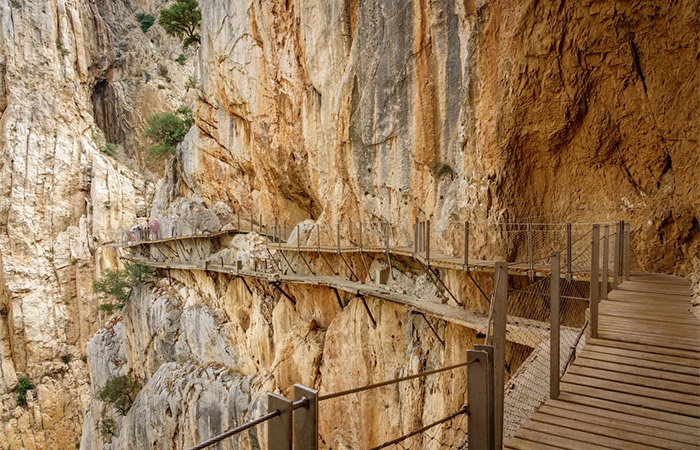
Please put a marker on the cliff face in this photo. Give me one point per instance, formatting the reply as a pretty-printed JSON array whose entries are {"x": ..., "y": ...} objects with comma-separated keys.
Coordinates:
[
  {"x": 471, "y": 110},
  {"x": 60, "y": 196},
  {"x": 466, "y": 110}
]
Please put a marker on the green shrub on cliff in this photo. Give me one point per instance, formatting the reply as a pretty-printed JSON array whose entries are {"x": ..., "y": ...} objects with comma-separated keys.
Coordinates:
[
  {"x": 23, "y": 385},
  {"x": 182, "y": 21},
  {"x": 146, "y": 21},
  {"x": 166, "y": 130},
  {"x": 120, "y": 392},
  {"x": 118, "y": 284}
]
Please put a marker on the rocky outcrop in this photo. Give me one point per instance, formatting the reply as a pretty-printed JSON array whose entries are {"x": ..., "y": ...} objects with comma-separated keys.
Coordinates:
[{"x": 67, "y": 69}]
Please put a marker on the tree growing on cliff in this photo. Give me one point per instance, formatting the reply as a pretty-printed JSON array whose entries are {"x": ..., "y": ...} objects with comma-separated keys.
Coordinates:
[
  {"x": 120, "y": 392},
  {"x": 166, "y": 130},
  {"x": 119, "y": 284},
  {"x": 182, "y": 21}
]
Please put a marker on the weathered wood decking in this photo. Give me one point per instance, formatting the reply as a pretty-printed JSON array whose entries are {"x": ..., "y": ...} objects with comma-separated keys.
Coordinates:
[{"x": 637, "y": 385}]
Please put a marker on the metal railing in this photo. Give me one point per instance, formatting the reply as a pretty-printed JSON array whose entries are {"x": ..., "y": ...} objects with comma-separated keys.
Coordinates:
[{"x": 600, "y": 261}]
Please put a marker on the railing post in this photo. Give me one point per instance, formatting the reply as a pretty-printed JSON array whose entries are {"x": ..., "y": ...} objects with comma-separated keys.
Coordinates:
[
  {"x": 415, "y": 238},
  {"x": 568, "y": 250},
  {"x": 466, "y": 246},
  {"x": 306, "y": 419},
  {"x": 594, "y": 289},
  {"x": 427, "y": 242},
  {"x": 478, "y": 399},
  {"x": 489, "y": 388},
  {"x": 279, "y": 429},
  {"x": 621, "y": 243},
  {"x": 499, "y": 346},
  {"x": 530, "y": 250},
  {"x": 606, "y": 262},
  {"x": 627, "y": 251},
  {"x": 276, "y": 232},
  {"x": 554, "y": 351},
  {"x": 616, "y": 256}
]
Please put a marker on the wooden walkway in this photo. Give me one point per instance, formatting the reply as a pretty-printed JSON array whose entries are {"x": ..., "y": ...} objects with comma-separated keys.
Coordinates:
[
  {"x": 523, "y": 331},
  {"x": 637, "y": 385}
]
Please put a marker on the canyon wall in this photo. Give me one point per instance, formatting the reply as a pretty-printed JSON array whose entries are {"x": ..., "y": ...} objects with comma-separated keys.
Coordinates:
[
  {"x": 61, "y": 195},
  {"x": 324, "y": 110}
]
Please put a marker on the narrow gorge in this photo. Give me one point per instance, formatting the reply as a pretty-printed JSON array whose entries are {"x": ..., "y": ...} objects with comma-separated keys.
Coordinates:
[{"x": 301, "y": 120}]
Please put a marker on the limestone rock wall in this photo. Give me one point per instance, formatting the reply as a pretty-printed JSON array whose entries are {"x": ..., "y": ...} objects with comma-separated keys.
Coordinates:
[
  {"x": 68, "y": 68},
  {"x": 453, "y": 110}
]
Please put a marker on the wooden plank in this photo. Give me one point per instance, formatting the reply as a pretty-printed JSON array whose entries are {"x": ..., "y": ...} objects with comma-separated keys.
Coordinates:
[
  {"x": 683, "y": 344},
  {"x": 637, "y": 327},
  {"x": 637, "y": 380},
  {"x": 660, "y": 278},
  {"x": 672, "y": 421},
  {"x": 648, "y": 322},
  {"x": 594, "y": 360},
  {"x": 625, "y": 387},
  {"x": 644, "y": 348},
  {"x": 637, "y": 436},
  {"x": 521, "y": 444},
  {"x": 666, "y": 430},
  {"x": 631, "y": 399},
  {"x": 690, "y": 363},
  {"x": 660, "y": 317},
  {"x": 648, "y": 297},
  {"x": 654, "y": 288},
  {"x": 650, "y": 310},
  {"x": 530, "y": 434},
  {"x": 582, "y": 436}
]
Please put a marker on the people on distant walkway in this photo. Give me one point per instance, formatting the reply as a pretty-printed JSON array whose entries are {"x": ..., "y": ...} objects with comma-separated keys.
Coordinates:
[
  {"x": 155, "y": 228},
  {"x": 147, "y": 228}
]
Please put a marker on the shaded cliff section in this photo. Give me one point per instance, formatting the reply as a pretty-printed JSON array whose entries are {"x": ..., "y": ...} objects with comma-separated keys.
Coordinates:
[{"x": 574, "y": 111}]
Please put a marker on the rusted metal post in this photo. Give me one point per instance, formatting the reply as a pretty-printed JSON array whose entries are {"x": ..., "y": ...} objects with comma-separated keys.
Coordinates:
[
  {"x": 594, "y": 290},
  {"x": 284, "y": 230},
  {"x": 466, "y": 246},
  {"x": 275, "y": 237},
  {"x": 427, "y": 242},
  {"x": 338, "y": 236},
  {"x": 306, "y": 418},
  {"x": 627, "y": 227},
  {"x": 554, "y": 350},
  {"x": 478, "y": 399},
  {"x": 616, "y": 256},
  {"x": 499, "y": 346},
  {"x": 621, "y": 227},
  {"x": 238, "y": 227},
  {"x": 606, "y": 262},
  {"x": 279, "y": 428},
  {"x": 530, "y": 250},
  {"x": 489, "y": 380},
  {"x": 568, "y": 250}
]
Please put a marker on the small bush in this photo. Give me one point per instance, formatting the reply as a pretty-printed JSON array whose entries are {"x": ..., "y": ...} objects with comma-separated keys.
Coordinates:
[
  {"x": 61, "y": 48},
  {"x": 66, "y": 358},
  {"x": 118, "y": 284},
  {"x": 191, "y": 83},
  {"x": 163, "y": 71},
  {"x": 107, "y": 428},
  {"x": 181, "y": 59},
  {"x": 441, "y": 170},
  {"x": 120, "y": 392},
  {"x": 146, "y": 21},
  {"x": 109, "y": 149},
  {"x": 23, "y": 385},
  {"x": 167, "y": 129}
]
